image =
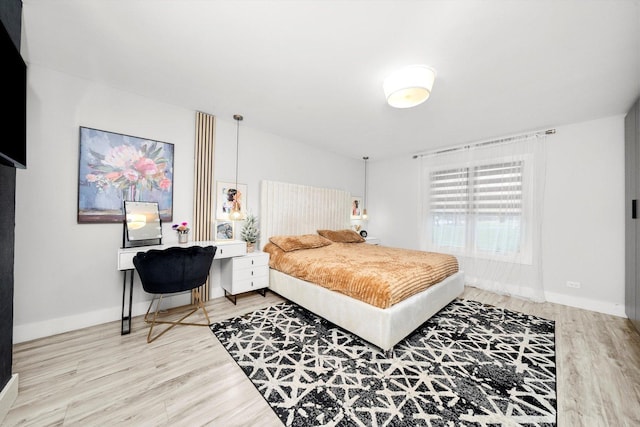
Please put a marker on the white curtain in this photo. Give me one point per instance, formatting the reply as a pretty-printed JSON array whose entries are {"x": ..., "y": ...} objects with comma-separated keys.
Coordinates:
[{"x": 483, "y": 203}]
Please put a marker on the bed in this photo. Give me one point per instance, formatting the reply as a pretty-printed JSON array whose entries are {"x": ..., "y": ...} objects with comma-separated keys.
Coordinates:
[{"x": 292, "y": 210}]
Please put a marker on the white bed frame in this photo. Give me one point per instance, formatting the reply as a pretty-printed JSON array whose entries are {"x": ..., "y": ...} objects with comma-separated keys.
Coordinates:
[{"x": 291, "y": 209}]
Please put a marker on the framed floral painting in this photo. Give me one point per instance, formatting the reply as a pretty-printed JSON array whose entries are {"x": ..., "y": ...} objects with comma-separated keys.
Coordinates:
[{"x": 115, "y": 167}]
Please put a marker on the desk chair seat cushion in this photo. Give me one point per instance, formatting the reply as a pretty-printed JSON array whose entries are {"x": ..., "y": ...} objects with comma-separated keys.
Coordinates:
[{"x": 176, "y": 269}]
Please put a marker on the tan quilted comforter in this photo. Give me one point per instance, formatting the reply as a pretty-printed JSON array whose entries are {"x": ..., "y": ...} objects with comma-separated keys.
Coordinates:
[{"x": 378, "y": 275}]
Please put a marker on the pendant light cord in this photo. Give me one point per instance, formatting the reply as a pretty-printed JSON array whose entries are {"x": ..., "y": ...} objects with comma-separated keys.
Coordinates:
[
  {"x": 237, "y": 151},
  {"x": 237, "y": 118},
  {"x": 236, "y": 214},
  {"x": 365, "y": 181}
]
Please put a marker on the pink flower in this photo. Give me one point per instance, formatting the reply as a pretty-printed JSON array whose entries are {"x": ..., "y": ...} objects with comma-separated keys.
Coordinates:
[
  {"x": 131, "y": 175},
  {"x": 181, "y": 228},
  {"x": 146, "y": 166},
  {"x": 125, "y": 166},
  {"x": 165, "y": 184},
  {"x": 112, "y": 176},
  {"x": 122, "y": 156}
]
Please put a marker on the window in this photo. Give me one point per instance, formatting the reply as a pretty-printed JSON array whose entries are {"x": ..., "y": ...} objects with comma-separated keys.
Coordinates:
[
  {"x": 483, "y": 203},
  {"x": 478, "y": 209}
]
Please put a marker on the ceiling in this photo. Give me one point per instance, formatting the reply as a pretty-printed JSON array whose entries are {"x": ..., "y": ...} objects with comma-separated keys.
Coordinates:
[{"x": 312, "y": 71}]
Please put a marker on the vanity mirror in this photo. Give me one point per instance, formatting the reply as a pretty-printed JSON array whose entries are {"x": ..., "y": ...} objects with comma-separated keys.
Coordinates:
[{"x": 142, "y": 224}]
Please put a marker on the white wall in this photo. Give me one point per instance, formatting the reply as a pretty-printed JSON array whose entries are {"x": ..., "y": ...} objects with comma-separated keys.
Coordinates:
[
  {"x": 583, "y": 230},
  {"x": 65, "y": 272},
  {"x": 584, "y": 216}
]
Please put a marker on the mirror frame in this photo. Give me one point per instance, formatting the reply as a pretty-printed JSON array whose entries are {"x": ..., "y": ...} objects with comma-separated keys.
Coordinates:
[{"x": 148, "y": 214}]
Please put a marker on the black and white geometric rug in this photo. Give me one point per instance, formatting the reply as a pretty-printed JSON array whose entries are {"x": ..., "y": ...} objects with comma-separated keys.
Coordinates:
[{"x": 469, "y": 365}]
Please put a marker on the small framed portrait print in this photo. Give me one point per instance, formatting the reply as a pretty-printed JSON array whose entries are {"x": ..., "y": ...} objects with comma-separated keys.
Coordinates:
[
  {"x": 224, "y": 230},
  {"x": 356, "y": 208},
  {"x": 227, "y": 195}
]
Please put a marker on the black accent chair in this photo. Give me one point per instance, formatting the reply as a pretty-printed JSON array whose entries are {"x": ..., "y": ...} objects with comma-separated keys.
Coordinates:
[{"x": 170, "y": 271}]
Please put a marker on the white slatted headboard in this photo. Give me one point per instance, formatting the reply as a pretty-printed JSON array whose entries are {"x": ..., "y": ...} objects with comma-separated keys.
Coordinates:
[{"x": 292, "y": 209}]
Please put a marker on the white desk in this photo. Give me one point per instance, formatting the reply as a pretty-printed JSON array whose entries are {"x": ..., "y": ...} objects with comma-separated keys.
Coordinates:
[{"x": 225, "y": 249}]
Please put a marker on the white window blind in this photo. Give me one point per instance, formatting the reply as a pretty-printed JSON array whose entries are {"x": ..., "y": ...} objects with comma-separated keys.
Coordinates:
[
  {"x": 478, "y": 209},
  {"x": 450, "y": 191}
]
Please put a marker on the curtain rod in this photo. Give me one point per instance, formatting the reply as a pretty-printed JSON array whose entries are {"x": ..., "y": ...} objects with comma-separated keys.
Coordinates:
[{"x": 481, "y": 144}]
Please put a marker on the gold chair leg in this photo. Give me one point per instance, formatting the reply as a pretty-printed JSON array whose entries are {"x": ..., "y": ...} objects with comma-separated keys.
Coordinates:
[
  {"x": 197, "y": 297},
  {"x": 155, "y": 320}
]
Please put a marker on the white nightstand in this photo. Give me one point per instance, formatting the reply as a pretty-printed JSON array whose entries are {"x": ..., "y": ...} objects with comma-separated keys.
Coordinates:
[
  {"x": 245, "y": 273},
  {"x": 373, "y": 240}
]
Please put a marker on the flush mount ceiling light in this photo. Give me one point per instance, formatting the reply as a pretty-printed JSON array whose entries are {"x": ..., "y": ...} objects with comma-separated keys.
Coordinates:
[{"x": 409, "y": 86}]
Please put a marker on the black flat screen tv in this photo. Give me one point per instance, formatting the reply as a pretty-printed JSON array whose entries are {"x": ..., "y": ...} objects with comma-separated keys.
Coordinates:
[{"x": 13, "y": 143}]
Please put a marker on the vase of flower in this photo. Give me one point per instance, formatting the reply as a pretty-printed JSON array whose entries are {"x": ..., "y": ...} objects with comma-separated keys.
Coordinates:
[
  {"x": 131, "y": 193},
  {"x": 183, "y": 231}
]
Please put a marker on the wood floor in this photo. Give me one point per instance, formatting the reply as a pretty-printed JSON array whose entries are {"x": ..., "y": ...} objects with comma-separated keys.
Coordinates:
[{"x": 97, "y": 377}]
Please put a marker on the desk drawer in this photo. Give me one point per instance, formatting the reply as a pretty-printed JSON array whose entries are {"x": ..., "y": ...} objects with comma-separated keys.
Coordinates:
[
  {"x": 125, "y": 261},
  {"x": 251, "y": 261},
  {"x": 231, "y": 250},
  {"x": 250, "y": 285},
  {"x": 250, "y": 273}
]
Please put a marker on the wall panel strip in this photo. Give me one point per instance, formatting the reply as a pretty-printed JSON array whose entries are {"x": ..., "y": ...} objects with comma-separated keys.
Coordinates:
[{"x": 203, "y": 185}]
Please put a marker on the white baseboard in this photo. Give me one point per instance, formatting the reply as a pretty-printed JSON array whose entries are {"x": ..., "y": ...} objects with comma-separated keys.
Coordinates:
[
  {"x": 216, "y": 293},
  {"x": 35, "y": 330},
  {"x": 587, "y": 304},
  {"x": 8, "y": 395}
]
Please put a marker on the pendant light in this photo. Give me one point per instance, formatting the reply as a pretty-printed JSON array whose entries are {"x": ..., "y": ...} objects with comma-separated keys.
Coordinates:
[
  {"x": 364, "y": 204},
  {"x": 236, "y": 213}
]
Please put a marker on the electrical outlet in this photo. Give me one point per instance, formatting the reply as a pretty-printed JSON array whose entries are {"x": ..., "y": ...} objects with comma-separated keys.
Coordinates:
[{"x": 575, "y": 285}]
